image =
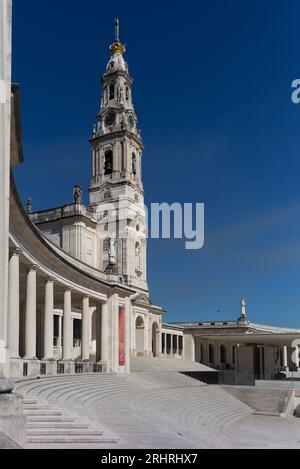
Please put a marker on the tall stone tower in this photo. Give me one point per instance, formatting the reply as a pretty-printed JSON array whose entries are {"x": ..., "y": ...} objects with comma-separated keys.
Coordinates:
[{"x": 117, "y": 175}]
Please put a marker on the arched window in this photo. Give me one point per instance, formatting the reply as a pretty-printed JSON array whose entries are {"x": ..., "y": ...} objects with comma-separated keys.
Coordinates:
[
  {"x": 133, "y": 164},
  {"x": 106, "y": 246},
  {"x": 108, "y": 164},
  {"x": 127, "y": 93},
  {"x": 222, "y": 354},
  {"x": 107, "y": 196},
  {"x": 211, "y": 354},
  {"x": 112, "y": 92},
  {"x": 138, "y": 256}
]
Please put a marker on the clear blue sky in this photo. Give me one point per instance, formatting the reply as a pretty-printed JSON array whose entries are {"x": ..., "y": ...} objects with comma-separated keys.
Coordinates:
[{"x": 212, "y": 92}]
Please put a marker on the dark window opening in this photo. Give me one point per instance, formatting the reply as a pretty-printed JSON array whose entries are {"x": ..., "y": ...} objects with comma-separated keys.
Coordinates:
[
  {"x": 108, "y": 166},
  {"x": 112, "y": 92},
  {"x": 133, "y": 164}
]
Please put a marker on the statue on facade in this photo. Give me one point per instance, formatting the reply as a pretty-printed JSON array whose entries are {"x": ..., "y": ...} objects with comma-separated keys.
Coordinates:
[
  {"x": 29, "y": 205},
  {"x": 112, "y": 251},
  {"x": 121, "y": 95},
  {"x": 77, "y": 194}
]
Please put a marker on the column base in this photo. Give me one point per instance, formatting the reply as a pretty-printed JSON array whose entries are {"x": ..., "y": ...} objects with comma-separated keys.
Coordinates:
[
  {"x": 50, "y": 366},
  {"x": 32, "y": 366},
  {"x": 69, "y": 366},
  {"x": 105, "y": 367},
  {"x": 87, "y": 366}
]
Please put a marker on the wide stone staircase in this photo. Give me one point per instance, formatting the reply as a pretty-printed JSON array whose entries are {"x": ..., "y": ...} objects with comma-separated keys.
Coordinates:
[
  {"x": 48, "y": 425},
  {"x": 144, "y": 409},
  {"x": 142, "y": 364},
  {"x": 269, "y": 400}
]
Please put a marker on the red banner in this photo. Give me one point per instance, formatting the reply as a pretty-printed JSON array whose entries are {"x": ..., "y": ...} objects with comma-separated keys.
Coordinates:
[{"x": 121, "y": 336}]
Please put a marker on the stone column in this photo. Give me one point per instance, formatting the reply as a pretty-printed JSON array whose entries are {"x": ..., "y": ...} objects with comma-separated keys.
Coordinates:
[
  {"x": 48, "y": 320},
  {"x": 67, "y": 326},
  {"x": 285, "y": 357},
  {"x": 30, "y": 316},
  {"x": 128, "y": 323},
  {"x": 104, "y": 333},
  {"x": 85, "y": 336},
  {"x": 59, "y": 333},
  {"x": 171, "y": 347},
  {"x": 14, "y": 304}
]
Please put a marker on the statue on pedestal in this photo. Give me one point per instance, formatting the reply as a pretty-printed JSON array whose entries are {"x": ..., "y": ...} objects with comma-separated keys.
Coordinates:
[
  {"x": 77, "y": 194},
  {"x": 243, "y": 310}
]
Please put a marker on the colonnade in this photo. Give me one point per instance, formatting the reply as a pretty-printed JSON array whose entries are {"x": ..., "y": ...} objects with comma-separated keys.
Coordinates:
[
  {"x": 107, "y": 348},
  {"x": 172, "y": 344}
]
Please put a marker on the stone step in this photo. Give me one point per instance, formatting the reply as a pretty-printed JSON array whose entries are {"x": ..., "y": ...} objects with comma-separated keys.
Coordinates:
[
  {"x": 70, "y": 439},
  {"x": 29, "y": 401},
  {"x": 42, "y": 413},
  {"x": 57, "y": 425},
  {"x": 47, "y": 419},
  {"x": 63, "y": 432},
  {"x": 41, "y": 407}
]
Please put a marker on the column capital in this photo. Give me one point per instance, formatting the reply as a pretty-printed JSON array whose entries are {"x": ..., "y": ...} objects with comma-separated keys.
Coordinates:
[
  {"x": 50, "y": 280},
  {"x": 32, "y": 268},
  {"x": 15, "y": 251}
]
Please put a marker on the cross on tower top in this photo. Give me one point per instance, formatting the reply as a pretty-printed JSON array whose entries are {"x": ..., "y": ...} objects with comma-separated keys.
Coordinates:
[{"x": 117, "y": 29}]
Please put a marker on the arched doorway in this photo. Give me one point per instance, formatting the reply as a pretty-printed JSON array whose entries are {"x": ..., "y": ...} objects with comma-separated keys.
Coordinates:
[
  {"x": 139, "y": 336},
  {"x": 154, "y": 339}
]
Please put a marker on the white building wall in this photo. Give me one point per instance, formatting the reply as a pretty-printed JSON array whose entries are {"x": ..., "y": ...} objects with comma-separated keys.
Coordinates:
[{"x": 5, "y": 117}]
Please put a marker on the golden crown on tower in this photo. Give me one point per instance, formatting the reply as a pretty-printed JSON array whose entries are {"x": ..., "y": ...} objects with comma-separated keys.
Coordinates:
[{"x": 117, "y": 47}]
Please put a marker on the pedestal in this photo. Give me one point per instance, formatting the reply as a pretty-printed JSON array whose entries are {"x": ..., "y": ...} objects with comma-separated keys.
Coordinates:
[
  {"x": 33, "y": 367},
  {"x": 105, "y": 367},
  {"x": 51, "y": 367},
  {"x": 15, "y": 367},
  {"x": 87, "y": 367},
  {"x": 69, "y": 366}
]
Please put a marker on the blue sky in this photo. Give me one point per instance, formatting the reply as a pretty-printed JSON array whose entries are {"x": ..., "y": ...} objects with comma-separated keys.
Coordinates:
[{"x": 213, "y": 94}]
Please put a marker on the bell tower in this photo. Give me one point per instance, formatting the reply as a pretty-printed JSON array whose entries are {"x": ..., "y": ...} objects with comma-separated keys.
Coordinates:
[{"x": 117, "y": 174}]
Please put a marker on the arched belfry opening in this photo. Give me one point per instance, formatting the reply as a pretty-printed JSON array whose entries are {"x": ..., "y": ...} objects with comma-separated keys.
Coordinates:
[
  {"x": 155, "y": 339},
  {"x": 140, "y": 336},
  {"x": 108, "y": 163}
]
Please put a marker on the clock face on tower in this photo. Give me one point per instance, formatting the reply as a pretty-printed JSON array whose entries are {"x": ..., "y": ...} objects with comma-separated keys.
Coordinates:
[{"x": 110, "y": 119}]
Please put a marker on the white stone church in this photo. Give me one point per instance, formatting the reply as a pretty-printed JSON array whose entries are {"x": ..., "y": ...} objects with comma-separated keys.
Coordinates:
[{"x": 74, "y": 292}]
